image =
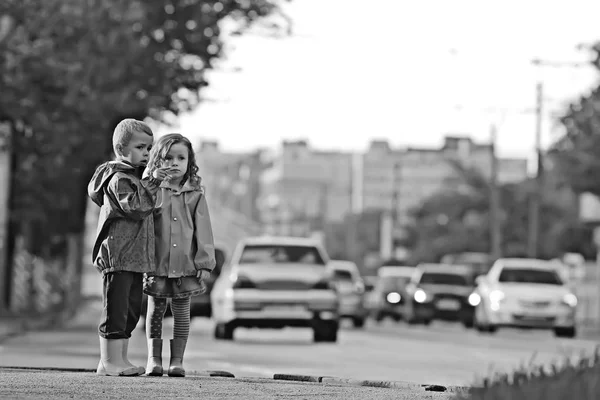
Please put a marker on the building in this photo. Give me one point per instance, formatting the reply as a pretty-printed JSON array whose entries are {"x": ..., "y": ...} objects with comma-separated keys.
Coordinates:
[
  {"x": 305, "y": 188},
  {"x": 232, "y": 180},
  {"x": 398, "y": 180}
]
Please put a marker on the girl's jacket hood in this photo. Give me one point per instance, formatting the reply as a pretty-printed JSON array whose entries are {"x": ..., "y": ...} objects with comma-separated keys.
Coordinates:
[{"x": 102, "y": 176}]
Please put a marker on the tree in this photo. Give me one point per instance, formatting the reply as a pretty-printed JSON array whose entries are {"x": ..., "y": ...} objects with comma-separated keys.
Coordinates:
[
  {"x": 457, "y": 219},
  {"x": 577, "y": 152},
  {"x": 71, "y": 69}
]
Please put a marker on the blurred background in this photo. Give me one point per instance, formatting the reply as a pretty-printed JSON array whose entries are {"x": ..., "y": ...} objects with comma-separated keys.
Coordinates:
[{"x": 396, "y": 133}]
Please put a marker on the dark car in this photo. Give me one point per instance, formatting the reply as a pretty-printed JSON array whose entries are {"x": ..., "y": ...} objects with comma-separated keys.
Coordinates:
[
  {"x": 442, "y": 292},
  {"x": 389, "y": 294},
  {"x": 200, "y": 305}
]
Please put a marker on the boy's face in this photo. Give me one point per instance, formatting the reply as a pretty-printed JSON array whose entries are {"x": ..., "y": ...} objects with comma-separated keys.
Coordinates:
[
  {"x": 137, "y": 150},
  {"x": 177, "y": 160}
]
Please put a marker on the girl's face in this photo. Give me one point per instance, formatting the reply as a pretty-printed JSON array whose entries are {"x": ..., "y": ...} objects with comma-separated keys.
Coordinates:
[{"x": 177, "y": 160}]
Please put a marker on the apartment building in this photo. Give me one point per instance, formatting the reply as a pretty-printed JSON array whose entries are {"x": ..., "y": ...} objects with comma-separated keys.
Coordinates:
[
  {"x": 232, "y": 180},
  {"x": 304, "y": 188},
  {"x": 400, "y": 179}
]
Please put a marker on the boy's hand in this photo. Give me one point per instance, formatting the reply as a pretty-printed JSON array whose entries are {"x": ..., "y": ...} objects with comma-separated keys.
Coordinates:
[
  {"x": 161, "y": 173},
  {"x": 202, "y": 275}
]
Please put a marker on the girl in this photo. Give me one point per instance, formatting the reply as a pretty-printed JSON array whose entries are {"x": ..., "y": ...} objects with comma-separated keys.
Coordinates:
[{"x": 185, "y": 253}]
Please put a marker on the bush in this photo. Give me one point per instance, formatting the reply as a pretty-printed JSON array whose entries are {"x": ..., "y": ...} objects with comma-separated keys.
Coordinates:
[{"x": 577, "y": 379}]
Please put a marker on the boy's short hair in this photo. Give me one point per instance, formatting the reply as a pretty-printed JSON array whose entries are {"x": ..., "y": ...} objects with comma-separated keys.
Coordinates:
[{"x": 125, "y": 129}]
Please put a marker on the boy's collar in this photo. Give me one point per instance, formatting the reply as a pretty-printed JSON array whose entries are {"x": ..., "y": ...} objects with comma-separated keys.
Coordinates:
[{"x": 126, "y": 163}]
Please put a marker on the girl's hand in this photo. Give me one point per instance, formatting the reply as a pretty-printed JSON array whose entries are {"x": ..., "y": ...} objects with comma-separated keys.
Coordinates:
[
  {"x": 202, "y": 275},
  {"x": 161, "y": 173}
]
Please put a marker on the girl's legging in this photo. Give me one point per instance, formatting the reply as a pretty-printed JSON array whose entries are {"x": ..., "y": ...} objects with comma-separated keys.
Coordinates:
[{"x": 156, "y": 312}]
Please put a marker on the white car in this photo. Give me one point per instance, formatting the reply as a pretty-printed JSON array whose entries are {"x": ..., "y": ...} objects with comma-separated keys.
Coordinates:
[
  {"x": 351, "y": 290},
  {"x": 274, "y": 282},
  {"x": 528, "y": 293}
]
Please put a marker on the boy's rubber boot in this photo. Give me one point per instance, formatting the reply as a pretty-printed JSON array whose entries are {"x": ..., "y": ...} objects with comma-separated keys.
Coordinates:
[
  {"x": 141, "y": 370},
  {"x": 111, "y": 359},
  {"x": 176, "y": 363},
  {"x": 154, "y": 366}
]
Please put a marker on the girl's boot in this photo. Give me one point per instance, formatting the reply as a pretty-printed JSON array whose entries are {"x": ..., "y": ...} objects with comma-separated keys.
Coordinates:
[
  {"x": 176, "y": 363},
  {"x": 154, "y": 366},
  {"x": 141, "y": 370},
  {"x": 111, "y": 359}
]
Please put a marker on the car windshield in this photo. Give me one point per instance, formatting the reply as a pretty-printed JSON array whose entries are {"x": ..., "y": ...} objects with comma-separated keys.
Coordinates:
[
  {"x": 444, "y": 278},
  {"x": 281, "y": 254},
  {"x": 389, "y": 283},
  {"x": 341, "y": 275},
  {"x": 530, "y": 275}
]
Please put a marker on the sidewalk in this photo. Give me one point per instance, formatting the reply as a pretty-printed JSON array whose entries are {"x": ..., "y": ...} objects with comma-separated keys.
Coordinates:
[
  {"x": 56, "y": 384},
  {"x": 13, "y": 325}
]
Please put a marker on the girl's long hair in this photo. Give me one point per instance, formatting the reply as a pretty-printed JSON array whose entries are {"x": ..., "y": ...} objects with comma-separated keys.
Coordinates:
[{"x": 160, "y": 150}]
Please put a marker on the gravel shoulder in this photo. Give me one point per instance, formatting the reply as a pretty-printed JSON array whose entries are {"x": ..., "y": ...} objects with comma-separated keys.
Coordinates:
[{"x": 51, "y": 385}]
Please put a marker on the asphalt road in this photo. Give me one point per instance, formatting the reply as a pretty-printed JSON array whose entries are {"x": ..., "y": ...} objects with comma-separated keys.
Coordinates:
[{"x": 444, "y": 354}]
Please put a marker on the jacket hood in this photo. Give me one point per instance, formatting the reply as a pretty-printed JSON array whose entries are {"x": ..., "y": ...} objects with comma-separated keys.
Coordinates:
[{"x": 101, "y": 177}]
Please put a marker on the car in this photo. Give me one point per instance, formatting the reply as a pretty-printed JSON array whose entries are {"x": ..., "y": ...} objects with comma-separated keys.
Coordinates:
[
  {"x": 276, "y": 282},
  {"x": 351, "y": 290},
  {"x": 389, "y": 294},
  {"x": 200, "y": 305},
  {"x": 441, "y": 292},
  {"x": 370, "y": 297},
  {"x": 525, "y": 293}
]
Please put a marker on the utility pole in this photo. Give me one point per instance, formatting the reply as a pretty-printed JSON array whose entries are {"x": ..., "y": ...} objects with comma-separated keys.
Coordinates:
[
  {"x": 495, "y": 225},
  {"x": 7, "y": 26},
  {"x": 536, "y": 194}
]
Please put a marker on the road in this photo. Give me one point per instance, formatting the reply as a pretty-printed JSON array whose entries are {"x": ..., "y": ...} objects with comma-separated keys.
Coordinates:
[{"x": 441, "y": 353}]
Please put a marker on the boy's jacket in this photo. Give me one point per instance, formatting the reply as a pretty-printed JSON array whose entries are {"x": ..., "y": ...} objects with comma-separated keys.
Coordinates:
[{"x": 125, "y": 235}]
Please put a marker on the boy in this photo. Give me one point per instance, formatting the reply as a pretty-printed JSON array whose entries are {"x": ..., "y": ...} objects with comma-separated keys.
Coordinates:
[{"x": 124, "y": 246}]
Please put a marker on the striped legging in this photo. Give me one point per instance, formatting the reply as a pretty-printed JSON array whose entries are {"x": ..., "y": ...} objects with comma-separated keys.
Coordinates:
[{"x": 156, "y": 312}]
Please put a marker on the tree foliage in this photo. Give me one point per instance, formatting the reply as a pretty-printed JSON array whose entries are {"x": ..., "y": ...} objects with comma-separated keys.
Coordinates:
[
  {"x": 457, "y": 220},
  {"x": 71, "y": 69},
  {"x": 577, "y": 153}
]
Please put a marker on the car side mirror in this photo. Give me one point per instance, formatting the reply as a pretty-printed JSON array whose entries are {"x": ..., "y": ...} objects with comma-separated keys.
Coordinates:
[{"x": 480, "y": 279}]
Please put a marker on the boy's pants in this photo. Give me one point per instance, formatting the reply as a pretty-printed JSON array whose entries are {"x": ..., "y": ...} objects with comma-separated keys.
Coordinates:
[{"x": 122, "y": 299}]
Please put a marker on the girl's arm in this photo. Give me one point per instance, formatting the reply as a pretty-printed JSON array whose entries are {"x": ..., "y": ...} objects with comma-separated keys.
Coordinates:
[{"x": 205, "y": 255}]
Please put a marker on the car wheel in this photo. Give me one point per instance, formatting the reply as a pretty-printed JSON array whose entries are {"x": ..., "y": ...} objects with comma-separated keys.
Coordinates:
[
  {"x": 358, "y": 322},
  {"x": 487, "y": 328},
  {"x": 468, "y": 323},
  {"x": 567, "y": 332},
  {"x": 325, "y": 331},
  {"x": 378, "y": 316},
  {"x": 426, "y": 322},
  {"x": 224, "y": 331}
]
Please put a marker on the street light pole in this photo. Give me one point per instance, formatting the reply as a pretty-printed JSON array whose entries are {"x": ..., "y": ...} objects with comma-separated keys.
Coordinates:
[
  {"x": 495, "y": 225},
  {"x": 534, "y": 204}
]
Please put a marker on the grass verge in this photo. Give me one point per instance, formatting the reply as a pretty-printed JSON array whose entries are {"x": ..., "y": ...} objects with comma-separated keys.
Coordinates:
[{"x": 572, "y": 379}]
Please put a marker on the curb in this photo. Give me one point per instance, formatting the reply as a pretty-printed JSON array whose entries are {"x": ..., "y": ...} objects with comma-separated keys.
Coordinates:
[
  {"x": 311, "y": 379},
  {"x": 330, "y": 380}
]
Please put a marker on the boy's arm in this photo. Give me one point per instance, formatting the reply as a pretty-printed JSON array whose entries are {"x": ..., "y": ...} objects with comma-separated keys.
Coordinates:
[
  {"x": 135, "y": 199},
  {"x": 205, "y": 243}
]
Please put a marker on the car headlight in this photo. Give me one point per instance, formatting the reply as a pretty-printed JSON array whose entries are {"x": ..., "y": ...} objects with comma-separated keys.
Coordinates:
[
  {"x": 393, "y": 297},
  {"x": 496, "y": 296},
  {"x": 474, "y": 299},
  {"x": 420, "y": 296},
  {"x": 570, "y": 299}
]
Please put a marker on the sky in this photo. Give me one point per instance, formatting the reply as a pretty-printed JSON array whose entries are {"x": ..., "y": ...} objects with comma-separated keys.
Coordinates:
[{"x": 406, "y": 71}]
